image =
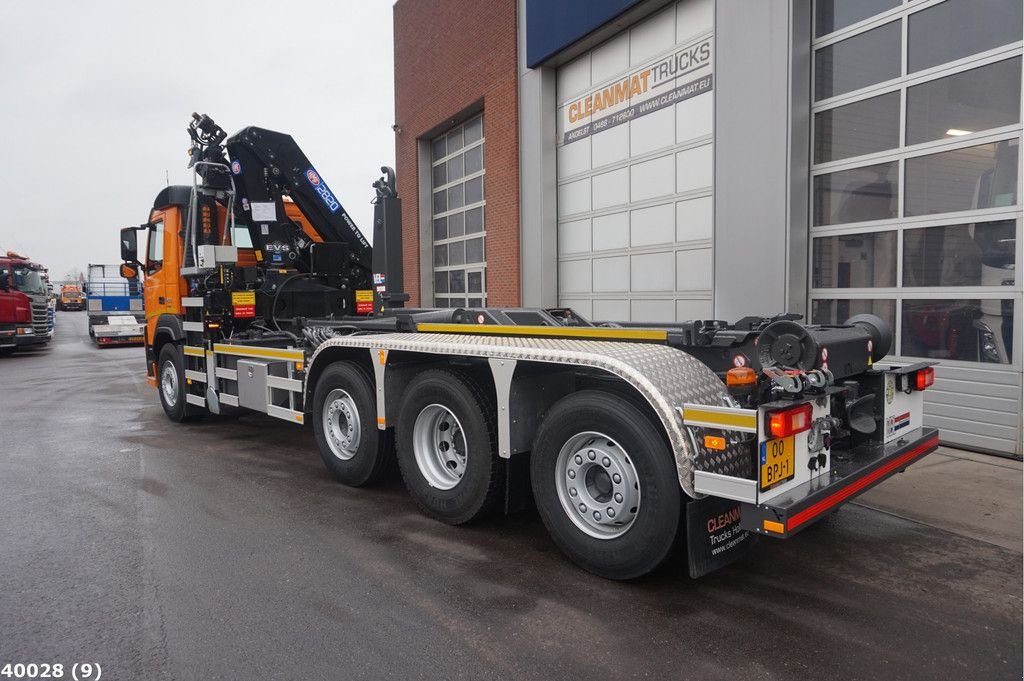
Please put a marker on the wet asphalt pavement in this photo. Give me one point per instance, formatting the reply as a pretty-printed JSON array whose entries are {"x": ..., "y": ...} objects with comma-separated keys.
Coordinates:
[{"x": 222, "y": 550}]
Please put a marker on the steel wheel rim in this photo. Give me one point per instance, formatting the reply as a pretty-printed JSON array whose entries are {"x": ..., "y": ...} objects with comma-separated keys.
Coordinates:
[
  {"x": 439, "y": 445},
  {"x": 597, "y": 485},
  {"x": 169, "y": 384},
  {"x": 341, "y": 424}
]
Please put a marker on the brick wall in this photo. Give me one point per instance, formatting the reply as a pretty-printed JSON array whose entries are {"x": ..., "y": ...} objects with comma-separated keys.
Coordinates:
[{"x": 449, "y": 55}]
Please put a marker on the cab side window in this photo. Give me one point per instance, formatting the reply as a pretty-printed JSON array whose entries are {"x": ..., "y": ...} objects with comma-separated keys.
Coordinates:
[
  {"x": 155, "y": 249},
  {"x": 5, "y": 277}
]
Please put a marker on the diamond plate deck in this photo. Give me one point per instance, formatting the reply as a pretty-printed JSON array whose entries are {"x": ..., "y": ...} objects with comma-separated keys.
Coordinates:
[{"x": 666, "y": 377}]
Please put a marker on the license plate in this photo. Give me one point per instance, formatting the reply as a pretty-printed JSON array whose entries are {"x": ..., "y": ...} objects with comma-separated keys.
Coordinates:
[{"x": 777, "y": 462}]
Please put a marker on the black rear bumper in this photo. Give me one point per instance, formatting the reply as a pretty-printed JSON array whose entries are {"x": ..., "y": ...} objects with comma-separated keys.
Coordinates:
[{"x": 853, "y": 472}]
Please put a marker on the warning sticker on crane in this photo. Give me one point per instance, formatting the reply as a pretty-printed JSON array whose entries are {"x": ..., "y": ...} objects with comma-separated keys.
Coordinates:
[
  {"x": 243, "y": 304},
  {"x": 364, "y": 301}
]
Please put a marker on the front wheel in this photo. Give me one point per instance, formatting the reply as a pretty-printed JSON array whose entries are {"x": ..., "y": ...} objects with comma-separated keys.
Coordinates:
[
  {"x": 171, "y": 384},
  {"x": 605, "y": 484}
]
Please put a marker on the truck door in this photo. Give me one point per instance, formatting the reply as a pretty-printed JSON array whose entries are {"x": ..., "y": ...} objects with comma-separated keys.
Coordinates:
[{"x": 155, "y": 284}]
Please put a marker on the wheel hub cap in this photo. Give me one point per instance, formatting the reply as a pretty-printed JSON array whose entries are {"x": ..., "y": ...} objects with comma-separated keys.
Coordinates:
[
  {"x": 439, "y": 446},
  {"x": 169, "y": 384},
  {"x": 597, "y": 485},
  {"x": 341, "y": 424}
]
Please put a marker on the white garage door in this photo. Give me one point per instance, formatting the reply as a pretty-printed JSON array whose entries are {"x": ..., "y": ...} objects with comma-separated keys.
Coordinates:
[{"x": 635, "y": 168}]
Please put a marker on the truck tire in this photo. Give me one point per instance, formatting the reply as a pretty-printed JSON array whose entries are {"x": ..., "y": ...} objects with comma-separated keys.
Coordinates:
[
  {"x": 345, "y": 425},
  {"x": 446, "y": 447},
  {"x": 605, "y": 484},
  {"x": 171, "y": 385}
]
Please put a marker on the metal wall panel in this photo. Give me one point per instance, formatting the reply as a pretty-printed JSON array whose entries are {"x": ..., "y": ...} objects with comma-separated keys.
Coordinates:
[{"x": 634, "y": 207}]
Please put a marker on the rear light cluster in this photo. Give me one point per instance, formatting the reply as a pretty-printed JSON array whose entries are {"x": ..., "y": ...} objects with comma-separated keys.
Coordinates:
[
  {"x": 924, "y": 378},
  {"x": 790, "y": 421}
]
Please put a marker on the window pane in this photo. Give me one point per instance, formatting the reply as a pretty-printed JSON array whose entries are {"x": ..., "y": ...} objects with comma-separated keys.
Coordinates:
[
  {"x": 867, "y": 193},
  {"x": 838, "y": 311},
  {"x": 456, "y": 196},
  {"x": 984, "y": 176},
  {"x": 960, "y": 28},
  {"x": 967, "y": 330},
  {"x": 440, "y": 201},
  {"x": 981, "y": 254},
  {"x": 832, "y": 15},
  {"x": 440, "y": 256},
  {"x": 457, "y": 253},
  {"x": 474, "y": 130},
  {"x": 474, "y": 159},
  {"x": 476, "y": 282},
  {"x": 156, "y": 242},
  {"x": 438, "y": 148},
  {"x": 456, "y": 224},
  {"x": 458, "y": 281},
  {"x": 855, "y": 260},
  {"x": 474, "y": 220},
  {"x": 867, "y": 58},
  {"x": 475, "y": 190},
  {"x": 966, "y": 102},
  {"x": 440, "y": 302},
  {"x": 476, "y": 302},
  {"x": 440, "y": 229},
  {"x": 863, "y": 127},
  {"x": 454, "y": 140},
  {"x": 440, "y": 174},
  {"x": 440, "y": 282},
  {"x": 475, "y": 250},
  {"x": 455, "y": 168}
]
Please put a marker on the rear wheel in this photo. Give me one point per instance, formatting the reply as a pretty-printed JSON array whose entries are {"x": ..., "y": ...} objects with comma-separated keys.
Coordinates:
[
  {"x": 447, "y": 444},
  {"x": 171, "y": 385},
  {"x": 345, "y": 425},
  {"x": 606, "y": 485}
]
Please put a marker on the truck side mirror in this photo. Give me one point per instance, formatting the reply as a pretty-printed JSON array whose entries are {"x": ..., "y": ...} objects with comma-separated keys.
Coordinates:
[
  {"x": 129, "y": 272},
  {"x": 129, "y": 245}
]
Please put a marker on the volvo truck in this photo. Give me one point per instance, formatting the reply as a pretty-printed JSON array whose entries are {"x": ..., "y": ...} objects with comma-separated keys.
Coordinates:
[{"x": 630, "y": 438}]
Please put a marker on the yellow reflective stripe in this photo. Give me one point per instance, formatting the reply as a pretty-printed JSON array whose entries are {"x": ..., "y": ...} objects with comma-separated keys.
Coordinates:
[
  {"x": 557, "y": 331},
  {"x": 716, "y": 418},
  {"x": 270, "y": 353},
  {"x": 772, "y": 526},
  {"x": 193, "y": 352}
]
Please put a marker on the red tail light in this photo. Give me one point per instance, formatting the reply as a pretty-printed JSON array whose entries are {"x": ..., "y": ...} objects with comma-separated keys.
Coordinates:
[
  {"x": 924, "y": 378},
  {"x": 790, "y": 421}
]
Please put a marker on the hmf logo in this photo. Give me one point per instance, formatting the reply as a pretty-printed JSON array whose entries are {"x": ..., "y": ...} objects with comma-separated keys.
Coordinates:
[{"x": 321, "y": 188}]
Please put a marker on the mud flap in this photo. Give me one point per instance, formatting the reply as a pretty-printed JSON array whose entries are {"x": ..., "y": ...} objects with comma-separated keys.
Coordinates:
[{"x": 713, "y": 535}]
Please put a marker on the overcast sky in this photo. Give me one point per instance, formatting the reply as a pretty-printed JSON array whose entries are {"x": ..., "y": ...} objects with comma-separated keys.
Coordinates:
[{"x": 95, "y": 98}]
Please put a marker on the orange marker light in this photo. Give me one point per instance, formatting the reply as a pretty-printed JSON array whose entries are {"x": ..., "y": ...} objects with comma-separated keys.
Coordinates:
[
  {"x": 714, "y": 442},
  {"x": 740, "y": 376}
]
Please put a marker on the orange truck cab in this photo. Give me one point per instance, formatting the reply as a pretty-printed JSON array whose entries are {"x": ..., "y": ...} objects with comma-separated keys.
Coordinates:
[
  {"x": 71, "y": 298},
  {"x": 164, "y": 286}
]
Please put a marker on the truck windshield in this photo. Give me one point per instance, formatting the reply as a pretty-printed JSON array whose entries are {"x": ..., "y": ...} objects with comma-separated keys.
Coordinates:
[{"x": 28, "y": 280}]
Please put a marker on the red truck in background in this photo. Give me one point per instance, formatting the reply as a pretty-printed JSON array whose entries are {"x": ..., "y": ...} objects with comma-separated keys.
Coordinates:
[{"x": 23, "y": 304}]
